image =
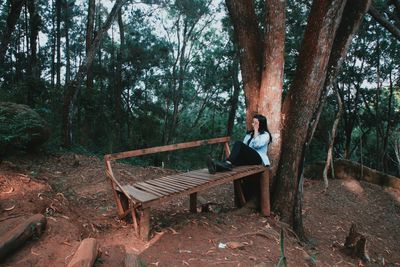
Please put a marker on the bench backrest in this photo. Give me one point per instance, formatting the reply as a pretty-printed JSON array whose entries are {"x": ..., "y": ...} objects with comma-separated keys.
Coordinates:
[{"x": 146, "y": 151}]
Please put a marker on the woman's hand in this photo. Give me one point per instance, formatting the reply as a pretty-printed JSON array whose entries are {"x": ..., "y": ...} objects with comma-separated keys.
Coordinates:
[{"x": 256, "y": 126}]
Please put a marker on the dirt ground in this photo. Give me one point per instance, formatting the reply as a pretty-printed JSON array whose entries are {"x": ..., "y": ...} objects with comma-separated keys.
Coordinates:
[{"x": 75, "y": 196}]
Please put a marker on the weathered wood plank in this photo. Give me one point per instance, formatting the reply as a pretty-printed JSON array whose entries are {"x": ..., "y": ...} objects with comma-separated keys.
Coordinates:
[
  {"x": 152, "y": 189},
  {"x": 140, "y": 195},
  {"x": 223, "y": 180},
  {"x": 172, "y": 189},
  {"x": 152, "y": 150},
  {"x": 185, "y": 181},
  {"x": 175, "y": 184}
]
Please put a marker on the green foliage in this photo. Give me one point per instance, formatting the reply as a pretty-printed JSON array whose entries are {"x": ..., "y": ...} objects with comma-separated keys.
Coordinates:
[{"x": 20, "y": 128}]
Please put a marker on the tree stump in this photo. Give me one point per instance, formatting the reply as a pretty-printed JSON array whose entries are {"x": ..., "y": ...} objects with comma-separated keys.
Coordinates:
[
  {"x": 131, "y": 260},
  {"x": 32, "y": 227},
  {"x": 86, "y": 254},
  {"x": 356, "y": 244}
]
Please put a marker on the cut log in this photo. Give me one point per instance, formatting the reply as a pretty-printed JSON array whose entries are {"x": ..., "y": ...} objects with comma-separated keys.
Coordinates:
[
  {"x": 86, "y": 254},
  {"x": 131, "y": 260},
  {"x": 356, "y": 244},
  {"x": 32, "y": 227}
]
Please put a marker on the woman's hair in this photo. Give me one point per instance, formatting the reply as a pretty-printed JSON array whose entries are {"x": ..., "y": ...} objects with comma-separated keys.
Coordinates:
[{"x": 263, "y": 126}]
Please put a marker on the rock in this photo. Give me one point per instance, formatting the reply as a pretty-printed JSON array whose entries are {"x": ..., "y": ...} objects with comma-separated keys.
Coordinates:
[{"x": 21, "y": 128}]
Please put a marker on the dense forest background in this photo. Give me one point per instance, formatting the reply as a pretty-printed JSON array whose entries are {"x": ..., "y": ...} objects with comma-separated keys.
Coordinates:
[{"x": 168, "y": 72}]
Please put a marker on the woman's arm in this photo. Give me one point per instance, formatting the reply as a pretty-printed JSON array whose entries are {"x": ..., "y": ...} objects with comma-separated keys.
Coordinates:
[{"x": 259, "y": 141}]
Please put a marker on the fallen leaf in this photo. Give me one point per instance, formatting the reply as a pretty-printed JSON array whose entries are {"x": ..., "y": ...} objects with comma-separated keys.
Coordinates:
[
  {"x": 234, "y": 245},
  {"x": 173, "y": 231},
  {"x": 66, "y": 243},
  {"x": 11, "y": 208},
  {"x": 25, "y": 179},
  {"x": 10, "y": 191}
]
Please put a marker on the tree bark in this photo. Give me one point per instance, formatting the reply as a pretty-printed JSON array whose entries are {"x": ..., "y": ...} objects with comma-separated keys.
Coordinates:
[
  {"x": 301, "y": 102},
  {"x": 11, "y": 21},
  {"x": 248, "y": 36},
  {"x": 89, "y": 41},
  {"x": 270, "y": 96},
  {"x": 72, "y": 89}
]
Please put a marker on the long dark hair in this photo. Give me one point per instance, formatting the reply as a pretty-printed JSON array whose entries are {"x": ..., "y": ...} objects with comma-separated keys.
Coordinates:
[{"x": 263, "y": 126}]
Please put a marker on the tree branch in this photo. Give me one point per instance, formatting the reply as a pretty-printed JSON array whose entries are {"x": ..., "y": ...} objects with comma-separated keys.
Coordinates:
[{"x": 384, "y": 22}]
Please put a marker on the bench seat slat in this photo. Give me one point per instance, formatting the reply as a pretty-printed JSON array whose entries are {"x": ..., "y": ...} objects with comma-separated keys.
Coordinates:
[
  {"x": 219, "y": 178},
  {"x": 171, "y": 187},
  {"x": 184, "y": 180},
  {"x": 139, "y": 195},
  {"x": 176, "y": 184},
  {"x": 151, "y": 189}
]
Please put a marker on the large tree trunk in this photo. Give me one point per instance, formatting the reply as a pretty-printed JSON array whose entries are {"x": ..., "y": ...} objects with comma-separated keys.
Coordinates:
[
  {"x": 301, "y": 102},
  {"x": 248, "y": 36},
  {"x": 72, "y": 89},
  {"x": 270, "y": 97},
  {"x": 12, "y": 18}
]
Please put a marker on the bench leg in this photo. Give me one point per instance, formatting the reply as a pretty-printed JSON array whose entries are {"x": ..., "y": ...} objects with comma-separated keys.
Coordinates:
[
  {"x": 193, "y": 202},
  {"x": 238, "y": 193},
  {"x": 135, "y": 220},
  {"x": 144, "y": 224},
  {"x": 264, "y": 199},
  {"x": 122, "y": 204}
]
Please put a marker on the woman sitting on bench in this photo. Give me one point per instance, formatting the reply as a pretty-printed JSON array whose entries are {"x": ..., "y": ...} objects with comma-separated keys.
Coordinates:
[{"x": 252, "y": 151}]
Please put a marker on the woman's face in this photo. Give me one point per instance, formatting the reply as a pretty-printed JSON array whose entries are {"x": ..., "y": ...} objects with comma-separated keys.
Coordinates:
[{"x": 255, "y": 124}]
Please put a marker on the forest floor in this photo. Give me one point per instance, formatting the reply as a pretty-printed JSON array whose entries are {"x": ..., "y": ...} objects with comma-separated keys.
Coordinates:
[{"x": 75, "y": 195}]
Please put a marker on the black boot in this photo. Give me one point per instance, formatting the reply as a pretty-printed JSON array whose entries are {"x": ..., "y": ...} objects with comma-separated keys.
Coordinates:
[
  {"x": 222, "y": 166},
  {"x": 210, "y": 165}
]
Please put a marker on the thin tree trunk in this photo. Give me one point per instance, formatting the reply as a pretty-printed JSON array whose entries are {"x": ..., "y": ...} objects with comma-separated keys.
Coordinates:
[
  {"x": 119, "y": 84},
  {"x": 384, "y": 22},
  {"x": 329, "y": 157},
  {"x": 11, "y": 21},
  {"x": 33, "y": 68},
  {"x": 72, "y": 89},
  {"x": 385, "y": 158},
  {"x": 235, "y": 97},
  {"x": 58, "y": 43},
  {"x": 53, "y": 44},
  {"x": 89, "y": 41},
  {"x": 67, "y": 50}
]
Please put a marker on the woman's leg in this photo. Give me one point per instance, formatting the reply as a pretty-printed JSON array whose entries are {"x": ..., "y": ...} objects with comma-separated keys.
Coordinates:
[{"x": 242, "y": 154}]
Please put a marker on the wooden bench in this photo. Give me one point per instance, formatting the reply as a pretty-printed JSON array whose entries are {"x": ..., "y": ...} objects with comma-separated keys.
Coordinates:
[{"x": 136, "y": 199}]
